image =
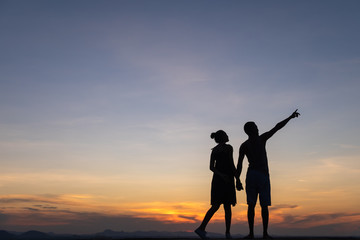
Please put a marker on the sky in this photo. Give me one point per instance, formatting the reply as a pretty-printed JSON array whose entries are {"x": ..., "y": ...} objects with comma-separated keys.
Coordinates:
[{"x": 106, "y": 111}]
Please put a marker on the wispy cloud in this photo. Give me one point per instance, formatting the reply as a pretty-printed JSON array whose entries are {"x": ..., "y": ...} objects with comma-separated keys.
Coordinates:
[
  {"x": 283, "y": 206},
  {"x": 29, "y": 145},
  {"x": 320, "y": 219},
  {"x": 79, "y": 121},
  {"x": 72, "y": 212},
  {"x": 349, "y": 146}
]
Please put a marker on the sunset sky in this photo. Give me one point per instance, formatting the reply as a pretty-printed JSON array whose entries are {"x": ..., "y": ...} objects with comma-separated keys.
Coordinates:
[{"x": 106, "y": 111}]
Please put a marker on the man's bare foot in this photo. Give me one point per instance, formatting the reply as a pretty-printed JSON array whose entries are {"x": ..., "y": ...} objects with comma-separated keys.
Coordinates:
[
  {"x": 250, "y": 236},
  {"x": 267, "y": 236}
]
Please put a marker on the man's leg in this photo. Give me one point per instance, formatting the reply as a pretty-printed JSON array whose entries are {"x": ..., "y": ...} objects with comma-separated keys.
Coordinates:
[
  {"x": 265, "y": 219},
  {"x": 251, "y": 197},
  {"x": 251, "y": 216},
  {"x": 265, "y": 202}
]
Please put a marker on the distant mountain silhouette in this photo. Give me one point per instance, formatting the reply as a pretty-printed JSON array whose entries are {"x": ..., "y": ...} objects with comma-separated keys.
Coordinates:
[
  {"x": 4, "y": 235},
  {"x": 111, "y": 233},
  {"x": 151, "y": 234},
  {"x": 145, "y": 234},
  {"x": 33, "y": 235},
  {"x": 106, "y": 234}
]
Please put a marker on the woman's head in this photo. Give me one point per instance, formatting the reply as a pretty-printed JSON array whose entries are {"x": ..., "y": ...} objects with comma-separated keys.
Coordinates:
[{"x": 220, "y": 136}]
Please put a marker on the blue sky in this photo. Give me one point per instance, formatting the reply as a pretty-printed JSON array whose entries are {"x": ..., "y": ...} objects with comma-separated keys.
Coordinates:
[{"x": 99, "y": 98}]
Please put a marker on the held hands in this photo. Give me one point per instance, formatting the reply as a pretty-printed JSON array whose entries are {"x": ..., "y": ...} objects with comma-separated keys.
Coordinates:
[
  {"x": 239, "y": 185},
  {"x": 295, "y": 114}
]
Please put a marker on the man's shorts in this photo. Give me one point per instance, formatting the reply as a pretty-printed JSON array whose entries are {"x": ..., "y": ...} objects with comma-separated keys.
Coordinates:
[{"x": 258, "y": 183}]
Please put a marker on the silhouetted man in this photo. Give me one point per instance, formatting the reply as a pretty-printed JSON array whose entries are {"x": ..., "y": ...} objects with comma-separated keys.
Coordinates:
[{"x": 257, "y": 177}]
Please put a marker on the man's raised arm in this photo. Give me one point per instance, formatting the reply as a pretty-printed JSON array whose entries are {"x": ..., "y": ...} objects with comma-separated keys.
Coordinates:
[{"x": 280, "y": 125}]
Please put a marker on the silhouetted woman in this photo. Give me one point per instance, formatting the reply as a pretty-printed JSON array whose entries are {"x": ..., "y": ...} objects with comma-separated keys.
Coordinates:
[{"x": 222, "y": 185}]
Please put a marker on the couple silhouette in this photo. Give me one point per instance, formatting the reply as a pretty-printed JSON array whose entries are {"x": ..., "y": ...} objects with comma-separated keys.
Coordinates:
[{"x": 257, "y": 177}]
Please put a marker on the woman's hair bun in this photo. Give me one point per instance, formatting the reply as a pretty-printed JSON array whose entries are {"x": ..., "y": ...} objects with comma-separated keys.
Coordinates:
[{"x": 212, "y": 135}]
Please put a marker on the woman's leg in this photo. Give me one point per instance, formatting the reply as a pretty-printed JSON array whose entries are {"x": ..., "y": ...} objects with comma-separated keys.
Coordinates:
[
  {"x": 208, "y": 216},
  {"x": 227, "y": 209}
]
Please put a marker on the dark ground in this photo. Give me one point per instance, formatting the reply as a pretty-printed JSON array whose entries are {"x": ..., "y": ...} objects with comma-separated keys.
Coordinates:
[{"x": 275, "y": 238}]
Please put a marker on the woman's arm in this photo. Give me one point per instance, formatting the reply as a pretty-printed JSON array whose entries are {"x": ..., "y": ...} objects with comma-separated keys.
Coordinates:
[
  {"x": 232, "y": 165},
  {"x": 214, "y": 170}
]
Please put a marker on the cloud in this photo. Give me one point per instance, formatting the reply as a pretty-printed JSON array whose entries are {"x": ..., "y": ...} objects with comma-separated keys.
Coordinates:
[
  {"x": 63, "y": 210},
  {"x": 32, "y": 209},
  {"x": 191, "y": 218},
  {"x": 62, "y": 221},
  {"x": 44, "y": 207},
  {"x": 283, "y": 206},
  {"x": 15, "y": 200},
  {"x": 331, "y": 230},
  {"x": 78, "y": 121},
  {"x": 3, "y": 218},
  {"x": 30, "y": 145},
  {"x": 320, "y": 220},
  {"x": 49, "y": 207},
  {"x": 348, "y": 146},
  {"x": 340, "y": 165},
  {"x": 20, "y": 199}
]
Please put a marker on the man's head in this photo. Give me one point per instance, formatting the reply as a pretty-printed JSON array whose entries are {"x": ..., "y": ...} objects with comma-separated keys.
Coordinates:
[{"x": 251, "y": 129}]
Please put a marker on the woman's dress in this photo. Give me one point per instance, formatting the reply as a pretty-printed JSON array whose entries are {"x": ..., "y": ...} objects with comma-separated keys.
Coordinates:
[{"x": 223, "y": 192}]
